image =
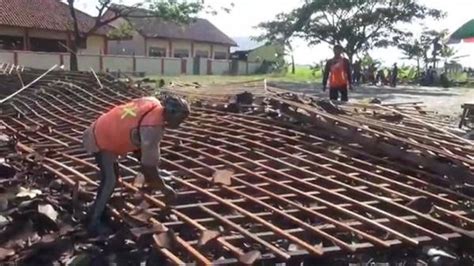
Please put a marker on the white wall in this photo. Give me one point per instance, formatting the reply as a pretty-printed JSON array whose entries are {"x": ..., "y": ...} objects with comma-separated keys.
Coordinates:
[
  {"x": 158, "y": 43},
  {"x": 38, "y": 60},
  {"x": 189, "y": 66},
  {"x": 220, "y": 67},
  {"x": 95, "y": 45},
  {"x": 172, "y": 66},
  {"x": 88, "y": 61},
  {"x": 66, "y": 60},
  {"x": 149, "y": 65},
  {"x": 127, "y": 47},
  {"x": 203, "y": 66},
  {"x": 242, "y": 70},
  {"x": 202, "y": 47},
  {"x": 221, "y": 48},
  {"x": 115, "y": 63},
  {"x": 181, "y": 45},
  {"x": 6, "y": 57},
  {"x": 253, "y": 67}
]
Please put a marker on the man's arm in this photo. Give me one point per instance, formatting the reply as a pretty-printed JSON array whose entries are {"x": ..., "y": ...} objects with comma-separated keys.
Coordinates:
[
  {"x": 327, "y": 69},
  {"x": 349, "y": 72},
  {"x": 150, "y": 138}
]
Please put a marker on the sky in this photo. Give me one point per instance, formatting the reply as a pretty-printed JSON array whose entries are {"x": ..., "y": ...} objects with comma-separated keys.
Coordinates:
[{"x": 246, "y": 14}]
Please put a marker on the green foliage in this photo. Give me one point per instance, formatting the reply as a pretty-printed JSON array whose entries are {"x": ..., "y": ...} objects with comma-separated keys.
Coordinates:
[
  {"x": 367, "y": 61},
  {"x": 429, "y": 47},
  {"x": 175, "y": 10},
  {"x": 278, "y": 32},
  {"x": 357, "y": 25}
]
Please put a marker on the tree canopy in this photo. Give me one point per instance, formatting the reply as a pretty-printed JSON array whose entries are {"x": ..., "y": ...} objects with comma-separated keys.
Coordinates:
[
  {"x": 180, "y": 11},
  {"x": 357, "y": 25}
]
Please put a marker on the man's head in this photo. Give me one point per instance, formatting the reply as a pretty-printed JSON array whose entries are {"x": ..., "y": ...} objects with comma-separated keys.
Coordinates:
[
  {"x": 338, "y": 50},
  {"x": 176, "y": 111}
]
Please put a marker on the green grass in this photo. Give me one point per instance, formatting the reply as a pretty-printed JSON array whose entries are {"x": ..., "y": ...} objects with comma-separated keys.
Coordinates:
[{"x": 303, "y": 74}]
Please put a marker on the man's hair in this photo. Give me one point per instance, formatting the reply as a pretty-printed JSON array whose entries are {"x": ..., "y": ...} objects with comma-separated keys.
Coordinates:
[{"x": 338, "y": 47}]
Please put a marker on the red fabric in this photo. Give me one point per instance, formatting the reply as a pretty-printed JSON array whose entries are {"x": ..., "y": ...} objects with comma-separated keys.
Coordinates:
[
  {"x": 469, "y": 40},
  {"x": 337, "y": 76},
  {"x": 113, "y": 129},
  {"x": 44, "y": 14}
]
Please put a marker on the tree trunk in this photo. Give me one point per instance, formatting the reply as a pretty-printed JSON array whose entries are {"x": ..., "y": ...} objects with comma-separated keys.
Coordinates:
[
  {"x": 77, "y": 38},
  {"x": 73, "y": 63},
  {"x": 418, "y": 67},
  {"x": 293, "y": 67},
  {"x": 350, "y": 57}
]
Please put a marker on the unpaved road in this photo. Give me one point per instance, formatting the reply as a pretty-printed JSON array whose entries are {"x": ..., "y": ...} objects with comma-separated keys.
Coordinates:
[{"x": 446, "y": 101}]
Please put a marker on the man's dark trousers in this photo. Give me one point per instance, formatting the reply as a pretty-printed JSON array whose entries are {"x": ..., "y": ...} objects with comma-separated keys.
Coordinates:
[{"x": 334, "y": 94}]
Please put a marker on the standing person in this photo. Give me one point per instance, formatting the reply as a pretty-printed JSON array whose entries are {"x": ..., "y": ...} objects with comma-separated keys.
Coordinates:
[
  {"x": 372, "y": 74},
  {"x": 357, "y": 73},
  {"x": 394, "y": 78},
  {"x": 138, "y": 127},
  {"x": 338, "y": 73}
]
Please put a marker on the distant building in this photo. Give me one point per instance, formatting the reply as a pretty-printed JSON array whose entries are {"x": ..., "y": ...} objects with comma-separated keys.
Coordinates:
[
  {"x": 156, "y": 37},
  {"x": 45, "y": 26},
  {"x": 267, "y": 52}
]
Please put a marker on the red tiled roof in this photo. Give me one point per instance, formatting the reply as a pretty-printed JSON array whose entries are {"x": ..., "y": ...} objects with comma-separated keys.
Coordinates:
[
  {"x": 44, "y": 14},
  {"x": 154, "y": 27}
]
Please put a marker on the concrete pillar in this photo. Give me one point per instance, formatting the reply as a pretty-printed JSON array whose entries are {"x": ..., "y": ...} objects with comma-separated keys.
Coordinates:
[
  {"x": 26, "y": 40},
  {"x": 170, "y": 48},
  {"x": 162, "y": 66}
]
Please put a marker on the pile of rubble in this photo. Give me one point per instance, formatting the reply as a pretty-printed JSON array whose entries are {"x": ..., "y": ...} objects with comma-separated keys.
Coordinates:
[{"x": 274, "y": 178}]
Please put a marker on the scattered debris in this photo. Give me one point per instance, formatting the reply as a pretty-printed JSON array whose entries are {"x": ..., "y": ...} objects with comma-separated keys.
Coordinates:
[
  {"x": 223, "y": 177},
  {"x": 49, "y": 211},
  {"x": 30, "y": 193},
  {"x": 292, "y": 172}
]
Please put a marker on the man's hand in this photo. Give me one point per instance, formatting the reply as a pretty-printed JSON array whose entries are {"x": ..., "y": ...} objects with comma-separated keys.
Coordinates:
[
  {"x": 351, "y": 87},
  {"x": 324, "y": 88}
]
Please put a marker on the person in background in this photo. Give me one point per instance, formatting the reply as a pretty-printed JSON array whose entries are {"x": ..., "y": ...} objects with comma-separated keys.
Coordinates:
[
  {"x": 357, "y": 73},
  {"x": 372, "y": 74},
  {"x": 337, "y": 75},
  {"x": 394, "y": 77}
]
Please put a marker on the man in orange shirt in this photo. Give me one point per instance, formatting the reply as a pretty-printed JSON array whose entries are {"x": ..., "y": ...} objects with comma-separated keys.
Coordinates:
[
  {"x": 137, "y": 126},
  {"x": 338, "y": 74}
]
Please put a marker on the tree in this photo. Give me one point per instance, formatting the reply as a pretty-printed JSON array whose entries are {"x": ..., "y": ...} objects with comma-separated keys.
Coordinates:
[
  {"x": 278, "y": 32},
  {"x": 413, "y": 50},
  {"x": 357, "y": 25},
  {"x": 174, "y": 10}
]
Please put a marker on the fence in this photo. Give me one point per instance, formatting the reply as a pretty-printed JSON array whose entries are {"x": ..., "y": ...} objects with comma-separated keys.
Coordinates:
[{"x": 132, "y": 64}]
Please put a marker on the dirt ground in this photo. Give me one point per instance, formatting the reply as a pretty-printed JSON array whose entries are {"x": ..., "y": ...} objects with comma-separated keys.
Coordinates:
[{"x": 446, "y": 101}]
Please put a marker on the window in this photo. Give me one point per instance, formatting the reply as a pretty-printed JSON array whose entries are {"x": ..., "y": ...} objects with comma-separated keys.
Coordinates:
[
  {"x": 202, "y": 54},
  {"x": 157, "y": 52},
  {"x": 82, "y": 43},
  {"x": 11, "y": 43},
  {"x": 181, "y": 53},
  {"x": 47, "y": 45},
  {"x": 220, "y": 55}
]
